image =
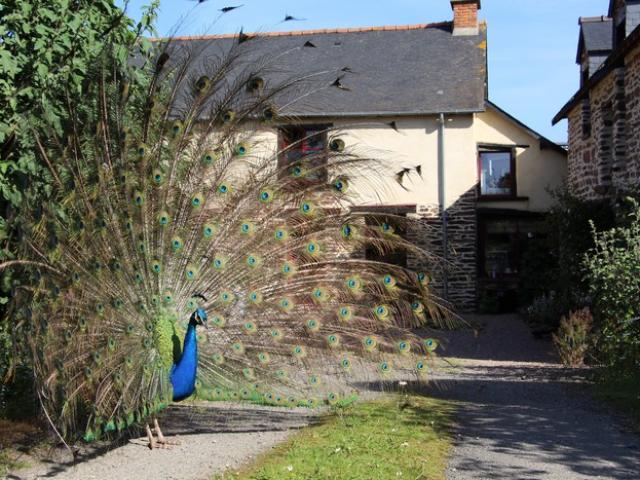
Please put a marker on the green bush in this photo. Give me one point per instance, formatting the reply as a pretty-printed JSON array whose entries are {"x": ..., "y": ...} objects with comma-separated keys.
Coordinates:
[
  {"x": 553, "y": 281},
  {"x": 613, "y": 273},
  {"x": 573, "y": 338},
  {"x": 544, "y": 314}
]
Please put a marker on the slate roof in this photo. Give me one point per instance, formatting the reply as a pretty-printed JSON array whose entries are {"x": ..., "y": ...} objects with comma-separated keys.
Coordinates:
[
  {"x": 396, "y": 70},
  {"x": 596, "y": 35}
]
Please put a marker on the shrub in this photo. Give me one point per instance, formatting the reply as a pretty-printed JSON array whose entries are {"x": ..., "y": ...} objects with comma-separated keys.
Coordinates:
[
  {"x": 544, "y": 314},
  {"x": 613, "y": 273},
  {"x": 572, "y": 339},
  {"x": 552, "y": 274}
]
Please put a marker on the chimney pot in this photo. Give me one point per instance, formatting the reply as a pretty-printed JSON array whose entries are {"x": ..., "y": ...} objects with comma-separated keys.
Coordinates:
[{"x": 465, "y": 17}]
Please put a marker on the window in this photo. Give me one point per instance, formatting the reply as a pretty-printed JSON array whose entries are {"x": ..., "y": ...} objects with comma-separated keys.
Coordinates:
[
  {"x": 397, "y": 257},
  {"x": 502, "y": 241},
  {"x": 497, "y": 173},
  {"x": 304, "y": 146}
]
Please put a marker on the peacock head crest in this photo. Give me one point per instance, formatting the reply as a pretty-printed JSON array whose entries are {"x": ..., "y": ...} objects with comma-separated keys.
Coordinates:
[{"x": 199, "y": 317}]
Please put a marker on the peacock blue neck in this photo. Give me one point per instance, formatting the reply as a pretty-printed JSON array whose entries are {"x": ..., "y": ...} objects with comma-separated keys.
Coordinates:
[{"x": 183, "y": 373}]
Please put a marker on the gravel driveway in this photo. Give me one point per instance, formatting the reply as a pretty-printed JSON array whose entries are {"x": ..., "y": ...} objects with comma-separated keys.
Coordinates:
[{"x": 522, "y": 416}]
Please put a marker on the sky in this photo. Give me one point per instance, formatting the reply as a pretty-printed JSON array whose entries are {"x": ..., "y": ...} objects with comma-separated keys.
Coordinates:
[{"x": 532, "y": 43}]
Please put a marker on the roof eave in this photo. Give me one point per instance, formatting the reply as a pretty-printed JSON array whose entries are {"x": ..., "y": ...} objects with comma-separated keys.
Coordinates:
[{"x": 417, "y": 113}]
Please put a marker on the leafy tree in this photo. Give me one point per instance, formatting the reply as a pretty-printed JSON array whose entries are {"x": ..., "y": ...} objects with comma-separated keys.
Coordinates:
[{"x": 48, "y": 53}]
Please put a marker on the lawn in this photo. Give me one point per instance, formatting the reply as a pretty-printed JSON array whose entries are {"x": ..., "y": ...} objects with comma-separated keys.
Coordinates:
[
  {"x": 623, "y": 393},
  {"x": 396, "y": 437}
]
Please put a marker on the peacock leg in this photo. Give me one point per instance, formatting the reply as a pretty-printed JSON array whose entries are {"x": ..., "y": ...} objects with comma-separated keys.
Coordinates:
[
  {"x": 152, "y": 441},
  {"x": 161, "y": 438}
]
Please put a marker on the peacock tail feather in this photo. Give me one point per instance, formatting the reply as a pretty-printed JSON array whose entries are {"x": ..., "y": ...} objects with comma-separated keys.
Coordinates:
[{"x": 170, "y": 196}]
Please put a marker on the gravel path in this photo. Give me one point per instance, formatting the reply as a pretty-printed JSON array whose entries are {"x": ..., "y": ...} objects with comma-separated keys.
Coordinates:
[
  {"x": 523, "y": 417},
  {"x": 213, "y": 437}
]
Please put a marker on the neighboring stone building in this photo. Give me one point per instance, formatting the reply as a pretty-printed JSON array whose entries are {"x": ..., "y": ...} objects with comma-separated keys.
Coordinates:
[
  {"x": 416, "y": 96},
  {"x": 604, "y": 115}
]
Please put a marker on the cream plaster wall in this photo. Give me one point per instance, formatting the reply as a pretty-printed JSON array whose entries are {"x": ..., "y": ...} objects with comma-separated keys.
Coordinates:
[
  {"x": 416, "y": 143},
  {"x": 537, "y": 170}
]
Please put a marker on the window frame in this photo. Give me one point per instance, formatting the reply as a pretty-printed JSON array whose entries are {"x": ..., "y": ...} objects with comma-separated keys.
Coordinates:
[
  {"x": 512, "y": 165},
  {"x": 282, "y": 146}
]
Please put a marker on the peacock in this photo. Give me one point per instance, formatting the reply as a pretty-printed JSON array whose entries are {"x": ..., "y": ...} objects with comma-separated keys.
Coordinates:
[{"x": 184, "y": 252}]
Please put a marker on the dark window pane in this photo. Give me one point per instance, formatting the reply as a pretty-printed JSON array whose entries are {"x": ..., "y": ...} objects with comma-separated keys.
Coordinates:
[
  {"x": 495, "y": 175},
  {"x": 305, "y": 146}
]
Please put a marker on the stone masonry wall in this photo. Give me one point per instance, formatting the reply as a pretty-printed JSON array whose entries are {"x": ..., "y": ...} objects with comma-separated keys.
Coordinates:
[
  {"x": 460, "y": 268},
  {"x": 629, "y": 176},
  {"x": 606, "y": 162}
]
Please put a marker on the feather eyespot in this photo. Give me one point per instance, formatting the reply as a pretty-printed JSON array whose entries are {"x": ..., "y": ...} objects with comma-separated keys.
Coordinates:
[
  {"x": 381, "y": 312},
  {"x": 345, "y": 313},
  {"x": 341, "y": 185},
  {"x": 333, "y": 340},
  {"x": 197, "y": 200},
  {"x": 369, "y": 343},
  {"x": 218, "y": 359},
  {"x": 313, "y": 325},
  {"x": 404, "y": 347},
  {"x": 208, "y": 230},
  {"x": 228, "y": 116},
  {"x": 241, "y": 149},
  {"x": 430, "y": 344},
  {"x": 337, "y": 145},
  {"x": 191, "y": 272},
  {"x": 384, "y": 367},
  {"x": 209, "y": 159},
  {"x": 281, "y": 234},
  {"x": 202, "y": 84},
  {"x": 177, "y": 243},
  {"x": 138, "y": 199},
  {"x": 164, "y": 219},
  {"x": 345, "y": 363}
]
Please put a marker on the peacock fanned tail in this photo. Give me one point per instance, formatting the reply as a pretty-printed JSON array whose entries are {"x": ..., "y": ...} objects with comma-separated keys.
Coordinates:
[{"x": 169, "y": 195}]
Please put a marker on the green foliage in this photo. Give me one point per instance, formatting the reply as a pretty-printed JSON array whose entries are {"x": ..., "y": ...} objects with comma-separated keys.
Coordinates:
[
  {"x": 571, "y": 222},
  {"x": 544, "y": 313},
  {"x": 17, "y": 397},
  {"x": 622, "y": 390},
  {"x": 48, "y": 54},
  {"x": 383, "y": 439},
  {"x": 573, "y": 338},
  {"x": 613, "y": 273},
  {"x": 553, "y": 275}
]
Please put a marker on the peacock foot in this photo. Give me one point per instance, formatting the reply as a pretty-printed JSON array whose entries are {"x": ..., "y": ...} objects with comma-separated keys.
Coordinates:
[
  {"x": 162, "y": 440},
  {"x": 158, "y": 441}
]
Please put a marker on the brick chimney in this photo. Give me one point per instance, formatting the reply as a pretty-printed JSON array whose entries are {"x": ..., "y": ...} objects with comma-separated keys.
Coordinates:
[{"x": 465, "y": 17}]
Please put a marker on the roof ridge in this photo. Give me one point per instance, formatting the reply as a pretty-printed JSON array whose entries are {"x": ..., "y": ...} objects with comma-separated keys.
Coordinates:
[{"x": 321, "y": 31}]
